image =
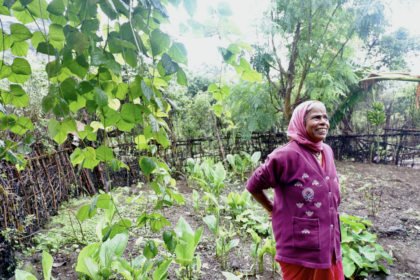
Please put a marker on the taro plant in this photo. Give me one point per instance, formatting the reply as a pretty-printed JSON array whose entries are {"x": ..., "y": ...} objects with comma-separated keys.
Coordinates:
[
  {"x": 250, "y": 219},
  {"x": 255, "y": 248},
  {"x": 221, "y": 236},
  {"x": 232, "y": 162},
  {"x": 253, "y": 160},
  {"x": 212, "y": 221},
  {"x": 215, "y": 176},
  {"x": 196, "y": 203},
  {"x": 360, "y": 251},
  {"x": 187, "y": 243},
  {"x": 195, "y": 265},
  {"x": 239, "y": 165},
  {"x": 373, "y": 197},
  {"x": 242, "y": 164},
  {"x": 47, "y": 264},
  {"x": 194, "y": 170},
  {"x": 238, "y": 203},
  {"x": 104, "y": 260},
  {"x": 224, "y": 245},
  {"x": 268, "y": 248}
]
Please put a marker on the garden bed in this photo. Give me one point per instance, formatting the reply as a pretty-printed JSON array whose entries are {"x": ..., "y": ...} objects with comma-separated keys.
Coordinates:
[{"x": 397, "y": 224}]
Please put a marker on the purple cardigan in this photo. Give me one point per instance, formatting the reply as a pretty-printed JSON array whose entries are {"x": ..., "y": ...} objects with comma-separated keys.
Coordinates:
[{"x": 305, "y": 219}]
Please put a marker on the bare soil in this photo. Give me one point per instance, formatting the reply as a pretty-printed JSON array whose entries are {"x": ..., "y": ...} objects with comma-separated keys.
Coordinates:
[{"x": 396, "y": 224}]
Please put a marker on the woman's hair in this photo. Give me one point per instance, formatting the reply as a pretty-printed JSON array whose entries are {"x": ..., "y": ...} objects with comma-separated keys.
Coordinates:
[{"x": 310, "y": 108}]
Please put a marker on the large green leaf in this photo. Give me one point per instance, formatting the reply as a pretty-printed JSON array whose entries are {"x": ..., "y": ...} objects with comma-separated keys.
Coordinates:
[
  {"x": 255, "y": 157},
  {"x": 8, "y": 122},
  {"x": 219, "y": 173},
  {"x": 368, "y": 252},
  {"x": 23, "y": 275},
  {"x": 22, "y": 125},
  {"x": 80, "y": 42},
  {"x": 58, "y": 131},
  {"x": 224, "y": 9},
  {"x": 190, "y": 6},
  {"x": 6, "y": 42},
  {"x": 83, "y": 213},
  {"x": 230, "y": 276},
  {"x": 150, "y": 250},
  {"x": 181, "y": 77},
  {"x": 100, "y": 97},
  {"x": 355, "y": 257},
  {"x": 104, "y": 154},
  {"x": 175, "y": 3},
  {"x": 132, "y": 113},
  {"x": 68, "y": 89},
  {"x": 46, "y": 48},
  {"x": 147, "y": 91},
  {"x": 61, "y": 108},
  {"x": 170, "y": 241},
  {"x": 56, "y": 32},
  {"x": 21, "y": 66},
  {"x": 20, "y": 32},
  {"x": 16, "y": 96},
  {"x": 37, "y": 37},
  {"x": 6, "y": 70},
  {"x": 113, "y": 249},
  {"x": 169, "y": 66},
  {"x": 178, "y": 53},
  {"x": 20, "y": 48},
  {"x": 161, "y": 270},
  {"x": 211, "y": 222},
  {"x": 47, "y": 263},
  {"x": 56, "y": 7},
  {"x": 92, "y": 268},
  {"x": 147, "y": 165},
  {"x": 348, "y": 266},
  {"x": 185, "y": 250},
  {"x": 159, "y": 42}
]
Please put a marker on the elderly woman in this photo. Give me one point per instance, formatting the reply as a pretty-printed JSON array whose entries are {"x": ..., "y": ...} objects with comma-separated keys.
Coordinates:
[{"x": 306, "y": 196}]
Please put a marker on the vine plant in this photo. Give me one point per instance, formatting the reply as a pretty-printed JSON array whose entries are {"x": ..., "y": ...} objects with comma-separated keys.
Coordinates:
[{"x": 110, "y": 58}]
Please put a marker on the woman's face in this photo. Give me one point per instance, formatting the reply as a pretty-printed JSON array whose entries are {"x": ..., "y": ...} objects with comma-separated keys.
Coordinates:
[{"x": 317, "y": 123}]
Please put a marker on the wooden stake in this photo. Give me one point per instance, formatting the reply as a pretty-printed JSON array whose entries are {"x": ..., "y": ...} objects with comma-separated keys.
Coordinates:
[
  {"x": 49, "y": 182},
  {"x": 24, "y": 191},
  {"x": 40, "y": 188},
  {"x": 65, "y": 177},
  {"x": 132, "y": 172},
  {"x": 59, "y": 176}
]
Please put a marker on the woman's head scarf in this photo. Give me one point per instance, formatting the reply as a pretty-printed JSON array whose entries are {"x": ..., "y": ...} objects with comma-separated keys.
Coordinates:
[{"x": 297, "y": 127}]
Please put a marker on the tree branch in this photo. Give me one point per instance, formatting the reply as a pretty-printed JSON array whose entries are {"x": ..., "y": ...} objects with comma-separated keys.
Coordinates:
[
  {"x": 342, "y": 47},
  {"x": 291, "y": 73},
  {"x": 282, "y": 71},
  {"x": 271, "y": 82},
  {"x": 304, "y": 71}
]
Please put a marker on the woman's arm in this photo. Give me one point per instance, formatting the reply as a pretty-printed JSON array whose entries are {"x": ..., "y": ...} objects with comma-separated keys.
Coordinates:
[{"x": 262, "y": 199}]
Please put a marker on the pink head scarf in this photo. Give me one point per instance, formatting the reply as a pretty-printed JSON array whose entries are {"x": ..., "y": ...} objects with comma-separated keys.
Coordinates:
[{"x": 297, "y": 128}]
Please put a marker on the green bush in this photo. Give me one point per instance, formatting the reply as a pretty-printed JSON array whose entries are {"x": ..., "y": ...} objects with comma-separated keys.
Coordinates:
[{"x": 360, "y": 251}]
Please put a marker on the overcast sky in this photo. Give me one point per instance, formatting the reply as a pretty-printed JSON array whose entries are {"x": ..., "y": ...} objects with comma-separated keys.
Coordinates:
[{"x": 247, "y": 13}]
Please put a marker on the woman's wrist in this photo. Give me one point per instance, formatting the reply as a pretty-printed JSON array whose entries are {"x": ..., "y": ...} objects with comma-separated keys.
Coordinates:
[{"x": 269, "y": 209}]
